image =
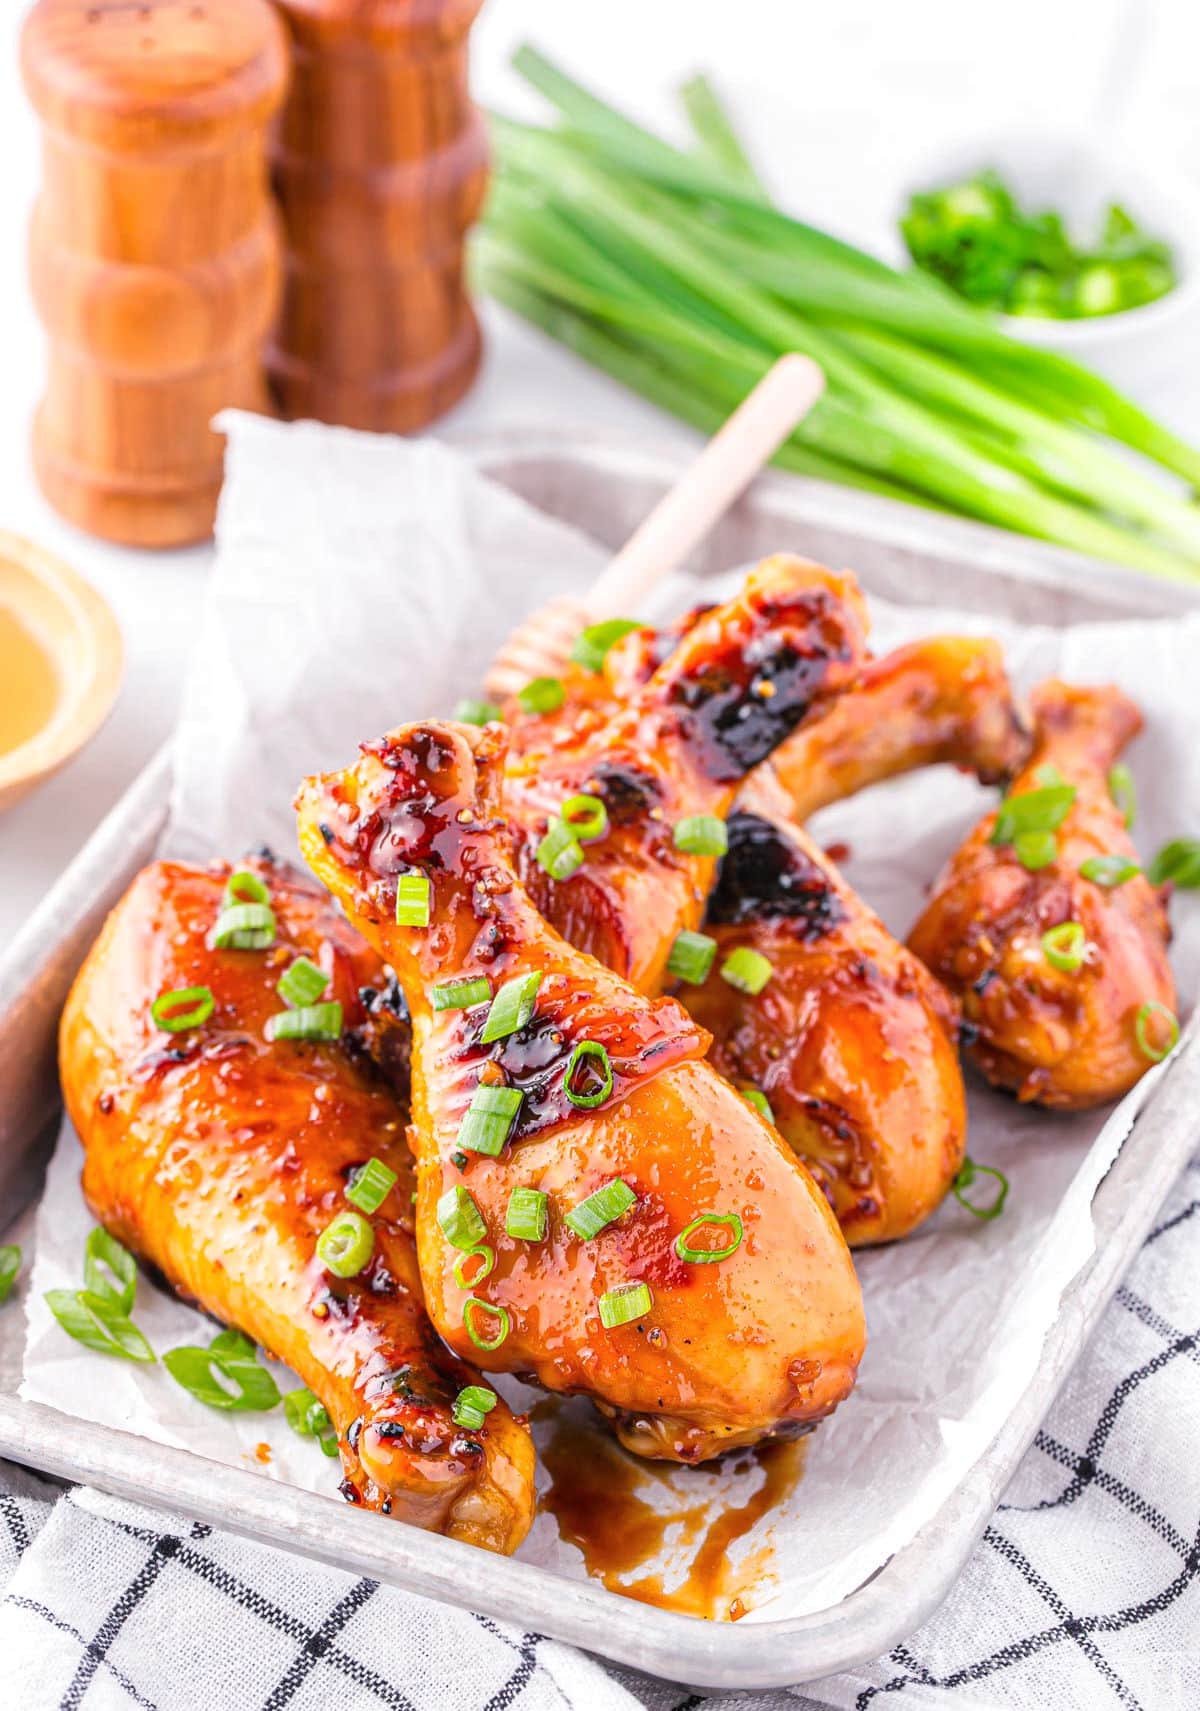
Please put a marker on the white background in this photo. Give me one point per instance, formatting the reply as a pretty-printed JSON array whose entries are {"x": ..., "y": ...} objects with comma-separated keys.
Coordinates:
[{"x": 835, "y": 98}]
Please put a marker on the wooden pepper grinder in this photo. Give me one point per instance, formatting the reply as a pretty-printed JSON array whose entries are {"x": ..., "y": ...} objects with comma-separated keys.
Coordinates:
[
  {"x": 380, "y": 165},
  {"x": 155, "y": 251}
]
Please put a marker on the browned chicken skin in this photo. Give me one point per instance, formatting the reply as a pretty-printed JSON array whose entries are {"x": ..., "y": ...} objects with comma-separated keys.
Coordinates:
[
  {"x": 219, "y": 1158},
  {"x": 762, "y": 1341},
  {"x": 1067, "y": 1039},
  {"x": 852, "y": 1041},
  {"x": 733, "y": 688}
]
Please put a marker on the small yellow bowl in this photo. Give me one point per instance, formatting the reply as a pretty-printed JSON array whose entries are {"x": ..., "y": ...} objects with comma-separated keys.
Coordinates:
[{"x": 60, "y": 665}]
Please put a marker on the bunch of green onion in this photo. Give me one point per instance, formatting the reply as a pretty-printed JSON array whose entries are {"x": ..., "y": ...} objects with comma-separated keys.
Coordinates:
[{"x": 671, "y": 269}]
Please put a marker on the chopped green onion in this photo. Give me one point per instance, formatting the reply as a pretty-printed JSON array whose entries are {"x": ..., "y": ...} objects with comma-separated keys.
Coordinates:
[
  {"x": 1179, "y": 862},
  {"x": 1049, "y": 774},
  {"x": 474, "y": 1308},
  {"x": 308, "y": 1418},
  {"x": 98, "y": 1323},
  {"x": 345, "y": 1246},
  {"x": 489, "y": 1119},
  {"x": 313, "y": 1022},
  {"x": 526, "y": 1217},
  {"x": 470, "y": 712},
  {"x": 592, "y": 645},
  {"x": 243, "y": 927},
  {"x": 1065, "y": 947},
  {"x": 585, "y": 1050},
  {"x": 472, "y": 1405},
  {"x": 753, "y": 1096},
  {"x": 461, "y": 994},
  {"x": 691, "y": 957},
  {"x": 10, "y": 1265},
  {"x": 412, "y": 900},
  {"x": 603, "y": 1206},
  {"x": 1035, "y": 850},
  {"x": 702, "y": 835},
  {"x": 747, "y": 970},
  {"x": 302, "y": 984},
  {"x": 460, "y": 1219},
  {"x": 186, "y": 1007},
  {"x": 968, "y": 1173},
  {"x": 1040, "y": 810},
  {"x": 1123, "y": 791},
  {"x": 371, "y": 1185},
  {"x": 109, "y": 1270},
  {"x": 225, "y": 1375},
  {"x": 483, "y": 1253},
  {"x": 687, "y": 1250},
  {"x": 586, "y": 816},
  {"x": 560, "y": 852},
  {"x": 511, "y": 1008},
  {"x": 543, "y": 695},
  {"x": 1145, "y": 1015},
  {"x": 624, "y": 1304},
  {"x": 1108, "y": 870},
  {"x": 244, "y": 887}
]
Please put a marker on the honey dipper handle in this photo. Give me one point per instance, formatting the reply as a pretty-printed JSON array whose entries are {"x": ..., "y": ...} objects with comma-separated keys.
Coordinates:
[{"x": 728, "y": 463}]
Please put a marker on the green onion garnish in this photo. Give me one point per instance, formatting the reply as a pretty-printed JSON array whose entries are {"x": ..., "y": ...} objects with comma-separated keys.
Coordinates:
[
  {"x": 1145, "y": 1015},
  {"x": 597, "y": 1061},
  {"x": 243, "y": 927},
  {"x": 10, "y": 1265},
  {"x": 302, "y": 984},
  {"x": 472, "y": 1405},
  {"x": 489, "y": 1119},
  {"x": 308, "y": 1419},
  {"x": 559, "y": 852},
  {"x": 526, "y": 1217},
  {"x": 371, "y": 1185},
  {"x": 1065, "y": 947},
  {"x": 691, "y": 957},
  {"x": 1108, "y": 870},
  {"x": 586, "y": 816},
  {"x": 747, "y": 970},
  {"x": 543, "y": 695},
  {"x": 592, "y": 644},
  {"x": 728, "y": 1221},
  {"x": 969, "y": 1171},
  {"x": 1040, "y": 810},
  {"x": 474, "y": 1309},
  {"x": 1048, "y": 774},
  {"x": 313, "y": 1022},
  {"x": 412, "y": 900},
  {"x": 603, "y": 1206},
  {"x": 1123, "y": 792},
  {"x": 470, "y": 712},
  {"x": 232, "y": 1358},
  {"x": 483, "y": 1253},
  {"x": 109, "y": 1270},
  {"x": 753, "y": 1096},
  {"x": 98, "y": 1323},
  {"x": 702, "y": 835},
  {"x": 624, "y": 1304},
  {"x": 186, "y": 1007},
  {"x": 1179, "y": 862},
  {"x": 511, "y": 1008},
  {"x": 1035, "y": 850},
  {"x": 244, "y": 887},
  {"x": 461, "y": 994},
  {"x": 345, "y": 1246},
  {"x": 460, "y": 1219}
]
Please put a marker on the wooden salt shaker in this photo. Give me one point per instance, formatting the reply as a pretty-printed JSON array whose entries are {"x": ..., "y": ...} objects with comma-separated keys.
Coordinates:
[
  {"x": 155, "y": 251},
  {"x": 380, "y": 165}
]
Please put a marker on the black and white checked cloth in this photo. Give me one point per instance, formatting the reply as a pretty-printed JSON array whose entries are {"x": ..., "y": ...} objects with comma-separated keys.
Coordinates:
[{"x": 1084, "y": 1594}]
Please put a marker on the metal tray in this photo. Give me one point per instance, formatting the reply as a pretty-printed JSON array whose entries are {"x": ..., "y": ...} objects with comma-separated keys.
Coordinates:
[{"x": 904, "y": 553}]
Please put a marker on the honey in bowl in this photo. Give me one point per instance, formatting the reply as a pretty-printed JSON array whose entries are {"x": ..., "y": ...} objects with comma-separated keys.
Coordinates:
[{"x": 29, "y": 682}]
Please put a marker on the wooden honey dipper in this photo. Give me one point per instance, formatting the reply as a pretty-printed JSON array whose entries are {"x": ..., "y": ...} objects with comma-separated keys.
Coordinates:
[{"x": 540, "y": 646}]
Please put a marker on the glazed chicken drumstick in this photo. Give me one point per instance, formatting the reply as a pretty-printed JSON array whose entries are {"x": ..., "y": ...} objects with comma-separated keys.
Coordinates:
[
  {"x": 220, "y": 1156},
  {"x": 1044, "y": 924},
  {"x": 851, "y": 1040},
  {"x": 596, "y": 1206}
]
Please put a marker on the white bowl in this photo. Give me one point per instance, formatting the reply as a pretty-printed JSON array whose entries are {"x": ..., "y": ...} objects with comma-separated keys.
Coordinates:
[{"x": 1142, "y": 348}]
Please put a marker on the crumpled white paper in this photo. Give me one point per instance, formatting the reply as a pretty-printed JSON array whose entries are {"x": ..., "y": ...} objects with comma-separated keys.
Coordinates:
[{"x": 361, "y": 581}]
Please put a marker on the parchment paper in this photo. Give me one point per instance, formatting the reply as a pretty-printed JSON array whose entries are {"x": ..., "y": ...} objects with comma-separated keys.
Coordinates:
[{"x": 362, "y": 581}]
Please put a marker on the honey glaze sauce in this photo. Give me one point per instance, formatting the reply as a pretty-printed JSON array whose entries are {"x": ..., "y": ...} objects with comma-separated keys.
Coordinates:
[
  {"x": 29, "y": 685},
  {"x": 623, "y": 1513}
]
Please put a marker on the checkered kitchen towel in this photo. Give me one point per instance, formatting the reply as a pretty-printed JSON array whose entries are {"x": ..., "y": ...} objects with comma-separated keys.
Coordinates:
[{"x": 1084, "y": 1593}]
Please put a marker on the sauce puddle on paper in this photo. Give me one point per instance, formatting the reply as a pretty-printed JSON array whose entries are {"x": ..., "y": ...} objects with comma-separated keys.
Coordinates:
[
  {"x": 29, "y": 686},
  {"x": 599, "y": 1497}
]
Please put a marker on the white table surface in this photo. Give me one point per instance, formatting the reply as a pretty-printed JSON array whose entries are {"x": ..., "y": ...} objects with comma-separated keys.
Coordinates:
[{"x": 834, "y": 99}]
